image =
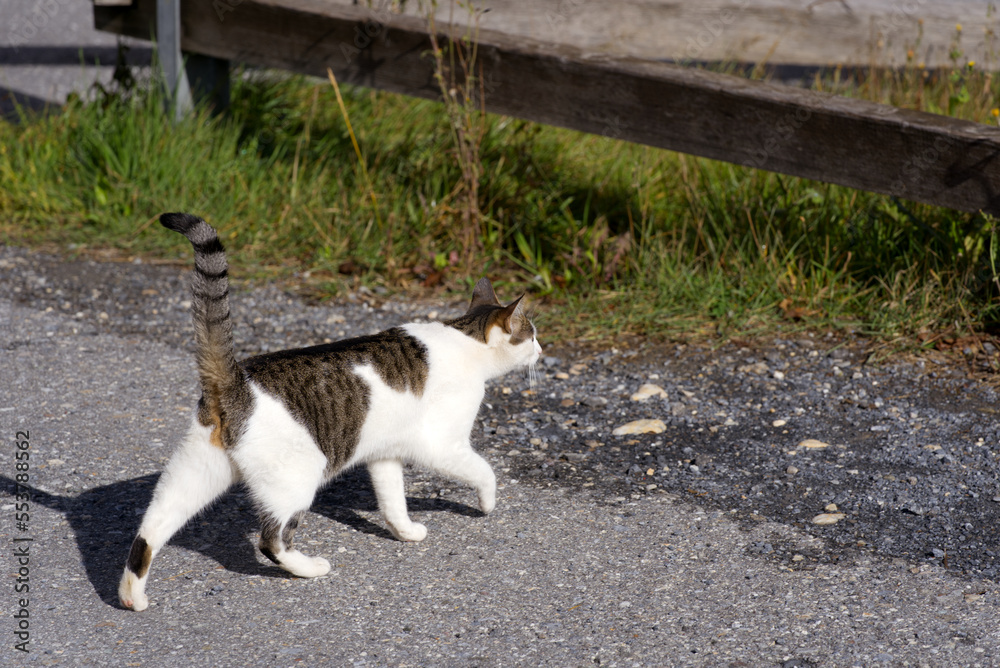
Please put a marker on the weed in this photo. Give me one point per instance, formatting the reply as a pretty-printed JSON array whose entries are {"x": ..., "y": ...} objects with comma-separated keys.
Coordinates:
[{"x": 464, "y": 101}]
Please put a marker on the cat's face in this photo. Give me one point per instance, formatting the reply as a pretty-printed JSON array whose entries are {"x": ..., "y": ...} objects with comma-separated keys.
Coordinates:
[
  {"x": 504, "y": 329},
  {"x": 514, "y": 335}
]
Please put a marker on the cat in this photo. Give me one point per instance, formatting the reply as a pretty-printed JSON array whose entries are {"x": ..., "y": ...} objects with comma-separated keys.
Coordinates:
[{"x": 285, "y": 423}]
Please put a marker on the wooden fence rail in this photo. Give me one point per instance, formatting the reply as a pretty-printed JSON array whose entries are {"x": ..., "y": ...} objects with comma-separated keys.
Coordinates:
[{"x": 914, "y": 155}]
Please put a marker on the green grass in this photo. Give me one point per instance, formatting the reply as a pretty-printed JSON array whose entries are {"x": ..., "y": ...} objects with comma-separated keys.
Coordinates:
[{"x": 612, "y": 238}]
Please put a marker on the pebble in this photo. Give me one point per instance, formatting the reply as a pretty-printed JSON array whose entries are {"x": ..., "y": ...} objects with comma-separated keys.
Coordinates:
[
  {"x": 648, "y": 391},
  {"x": 831, "y": 508},
  {"x": 828, "y": 518},
  {"x": 779, "y": 423},
  {"x": 562, "y": 375},
  {"x": 778, "y": 375},
  {"x": 758, "y": 368},
  {"x": 791, "y": 470},
  {"x": 641, "y": 427},
  {"x": 595, "y": 402},
  {"x": 813, "y": 444},
  {"x": 678, "y": 410}
]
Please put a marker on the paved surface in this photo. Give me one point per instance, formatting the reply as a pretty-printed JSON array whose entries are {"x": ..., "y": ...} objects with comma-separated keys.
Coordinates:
[
  {"x": 49, "y": 49},
  {"x": 588, "y": 569}
]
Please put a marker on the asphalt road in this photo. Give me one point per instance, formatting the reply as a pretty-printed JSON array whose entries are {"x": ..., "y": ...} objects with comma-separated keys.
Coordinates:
[
  {"x": 49, "y": 49},
  {"x": 588, "y": 560}
]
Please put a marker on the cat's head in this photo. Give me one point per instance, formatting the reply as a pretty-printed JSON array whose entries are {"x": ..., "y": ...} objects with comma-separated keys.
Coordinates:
[{"x": 505, "y": 330}]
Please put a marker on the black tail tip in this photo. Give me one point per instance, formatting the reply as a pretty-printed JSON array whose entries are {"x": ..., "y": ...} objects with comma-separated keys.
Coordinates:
[{"x": 179, "y": 222}]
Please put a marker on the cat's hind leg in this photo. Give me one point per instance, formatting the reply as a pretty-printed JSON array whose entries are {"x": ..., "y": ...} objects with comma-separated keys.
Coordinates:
[
  {"x": 282, "y": 467},
  {"x": 197, "y": 474},
  {"x": 387, "y": 479},
  {"x": 276, "y": 544},
  {"x": 282, "y": 499}
]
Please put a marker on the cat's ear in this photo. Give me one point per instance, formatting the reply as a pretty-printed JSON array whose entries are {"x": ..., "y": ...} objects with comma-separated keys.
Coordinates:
[
  {"x": 506, "y": 316},
  {"x": 483, "y": 294}
]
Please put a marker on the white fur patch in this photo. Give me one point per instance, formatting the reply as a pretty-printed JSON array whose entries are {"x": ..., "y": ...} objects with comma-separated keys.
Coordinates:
[
  {"x": 280, "y": 461},
  {"x": 403, "y": 426}
]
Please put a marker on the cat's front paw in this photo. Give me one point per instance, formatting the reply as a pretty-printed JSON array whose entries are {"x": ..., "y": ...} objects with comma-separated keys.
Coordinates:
[
  {"x": 412, "y": 533},
  {"x": 487, "y": 501}
]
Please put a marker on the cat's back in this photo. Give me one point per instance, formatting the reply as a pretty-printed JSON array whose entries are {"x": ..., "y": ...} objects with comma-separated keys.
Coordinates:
[{"x": 400, "y": 359}]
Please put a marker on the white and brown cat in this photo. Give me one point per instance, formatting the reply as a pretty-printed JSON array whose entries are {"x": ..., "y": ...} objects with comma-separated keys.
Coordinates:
[{"x": 285, "y": 423}]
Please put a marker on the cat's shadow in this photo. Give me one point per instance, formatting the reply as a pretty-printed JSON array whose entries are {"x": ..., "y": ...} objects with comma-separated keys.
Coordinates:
[{"x": 104, "y": 521}]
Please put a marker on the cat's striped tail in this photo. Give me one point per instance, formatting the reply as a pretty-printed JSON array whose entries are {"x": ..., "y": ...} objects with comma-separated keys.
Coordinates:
[{"x": 223, "y": 384}]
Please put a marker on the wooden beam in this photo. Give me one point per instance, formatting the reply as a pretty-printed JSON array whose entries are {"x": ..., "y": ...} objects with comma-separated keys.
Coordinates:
[
  {"x": 918, "y": 156},
  {"x": 790, "y": 34}
]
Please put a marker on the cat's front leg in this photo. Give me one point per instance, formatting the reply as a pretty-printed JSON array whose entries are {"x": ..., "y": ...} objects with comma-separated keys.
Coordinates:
[
  {"x": 387, "y": 479},
  {"x": 460, "y": 462},
  {"x": 485, "y": 483},
  {"x": 488, "y": 494}
]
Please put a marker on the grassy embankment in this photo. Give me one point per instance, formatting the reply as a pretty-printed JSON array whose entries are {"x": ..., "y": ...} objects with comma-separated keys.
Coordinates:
[{"x": 611, "y": 237}]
